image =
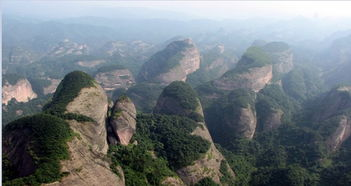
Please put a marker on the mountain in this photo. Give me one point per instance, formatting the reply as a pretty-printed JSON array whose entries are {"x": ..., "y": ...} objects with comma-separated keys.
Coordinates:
[
  {"x": 122, "y": 121},
  {"x": 16, "y": 87},
  {"x": 214, "y": 63},
  {"x": 67, "y": 47},
  {"x": 175, "y": 62},
  {"x": 72, "y": 129},
  {"x": 337, "y": 62},
  {"x": 239, "y": 92},
  {"x": 330, "y": 114},
  {"x": 180, "y": 99}
]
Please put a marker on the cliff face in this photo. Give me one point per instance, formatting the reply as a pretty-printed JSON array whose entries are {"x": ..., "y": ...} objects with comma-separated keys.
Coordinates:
[
  {"x": 111, "y": 80},
  {"x": 254, "y": 79},
  {"x": 122, "y": 121},
  {"x": 52, "y": 87},
  {"x": 273, "y": 120},
  {"x": 22, "y": 91},
  {"x": 333, "y": 103},
  {"x": 281, "y": 57},
  {"x": 209, "y": 165},
  {"x": 88, "y": 163},
  {"x": 172, "y": 102},
  {"x": 174, "y": 63},
  {"x": 341, "y": 134},
  {"x": 332, "y": 112}
]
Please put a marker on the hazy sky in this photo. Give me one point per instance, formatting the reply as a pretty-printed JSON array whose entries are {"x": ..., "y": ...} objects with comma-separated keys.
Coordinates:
[{"x": 194, "y": 9}]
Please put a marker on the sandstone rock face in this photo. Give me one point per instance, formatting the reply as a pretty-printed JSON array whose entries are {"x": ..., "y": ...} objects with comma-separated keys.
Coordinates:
[
  {"x": 245, "y": 125},
  {"x": 209, "y": 164},
  {"x": 22, "y": 91},
  {"x": 92, "y": 102},
  {"x": 123, "y": 120},
  {"x": 174, "y": 63},
  {"x": 67, "y": 47},
  {"x": 52, "y": 87},
  {"x": 273, "y": 120},
  {"x": 120, "y": 78},
  {"x": 283, "y": 61},
  {"x": 173, "y": 181},
  {"x": 254, "y": 79},
  {"x": 88, "y": 164},
  {"x": 342, "y": 133},
  {"x": 334, "y": 102}
]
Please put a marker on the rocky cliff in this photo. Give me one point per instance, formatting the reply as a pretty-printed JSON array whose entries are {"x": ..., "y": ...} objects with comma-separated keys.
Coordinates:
[
  {"x": 174, "y": 63},
  {"x": 88, "y": 163},
  {"x": 21, "y": 90},
  {"x": 214, "y": 63},
  {"x": 341, "y": 133},
  {"x": 254, "y": 79},
  {"x": 80, "y": 104},
  {"x": 179, "y": 99},
  {"x": 332, "y": 116},
  {"x": 122, "y": 121}
]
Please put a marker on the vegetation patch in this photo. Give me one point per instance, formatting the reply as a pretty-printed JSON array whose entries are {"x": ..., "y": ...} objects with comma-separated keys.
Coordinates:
[
  {"x": 67, "y": 90},
  {"x": 49, "y": 136},
  {"x": 110, "y": 68},
  {"x": 253, "y": 57},
  {"x": 171, "y": 138},
  {"x": 139, "y": 165},
  {"x": 206, "y": 182},
  {"x": 183, "y": 93}
]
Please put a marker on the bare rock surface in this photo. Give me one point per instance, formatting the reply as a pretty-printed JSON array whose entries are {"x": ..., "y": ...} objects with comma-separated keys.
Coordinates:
[
  {"x": 123, "y": 120},
  {"x": 342, "y": 133},
  {"x": 174, "y": 63},
  {"x": 22, "y": 91},
  {"x": 254, "y": 79}
]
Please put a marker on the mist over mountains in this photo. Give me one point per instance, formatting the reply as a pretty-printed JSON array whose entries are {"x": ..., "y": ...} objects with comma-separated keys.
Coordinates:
[{"x": 140, "y": 96}]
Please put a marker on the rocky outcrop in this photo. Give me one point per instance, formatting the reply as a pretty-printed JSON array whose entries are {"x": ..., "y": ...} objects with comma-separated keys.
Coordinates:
[
  {"x": 172, "y": 102},
  {"x": 172, "y": 181},
  {"x": 174, "y": 63},
  {"x": 207, "y": 166},
  {"x": 67, "y": 47},
  {"x": 281, "y": 57},
  {"x": 92, "y": 102},
  {"x": 88, "y": 164},
  {"x": 272, "y": 120},
  {"x": 114, "y": 79},
  {"x": 123, "y": 120},
  {"x": 21, "y": 91},
  {"x": 341, "y": 134},
  {"x": 259, "y": 66},
  {"x": 333, "y": 103},
  {"x": 52, "y": 87},
  {"x": 254, "y": 79},
  {"x": 214, "y": 63},
  {"x": 332, "y": 112}
]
